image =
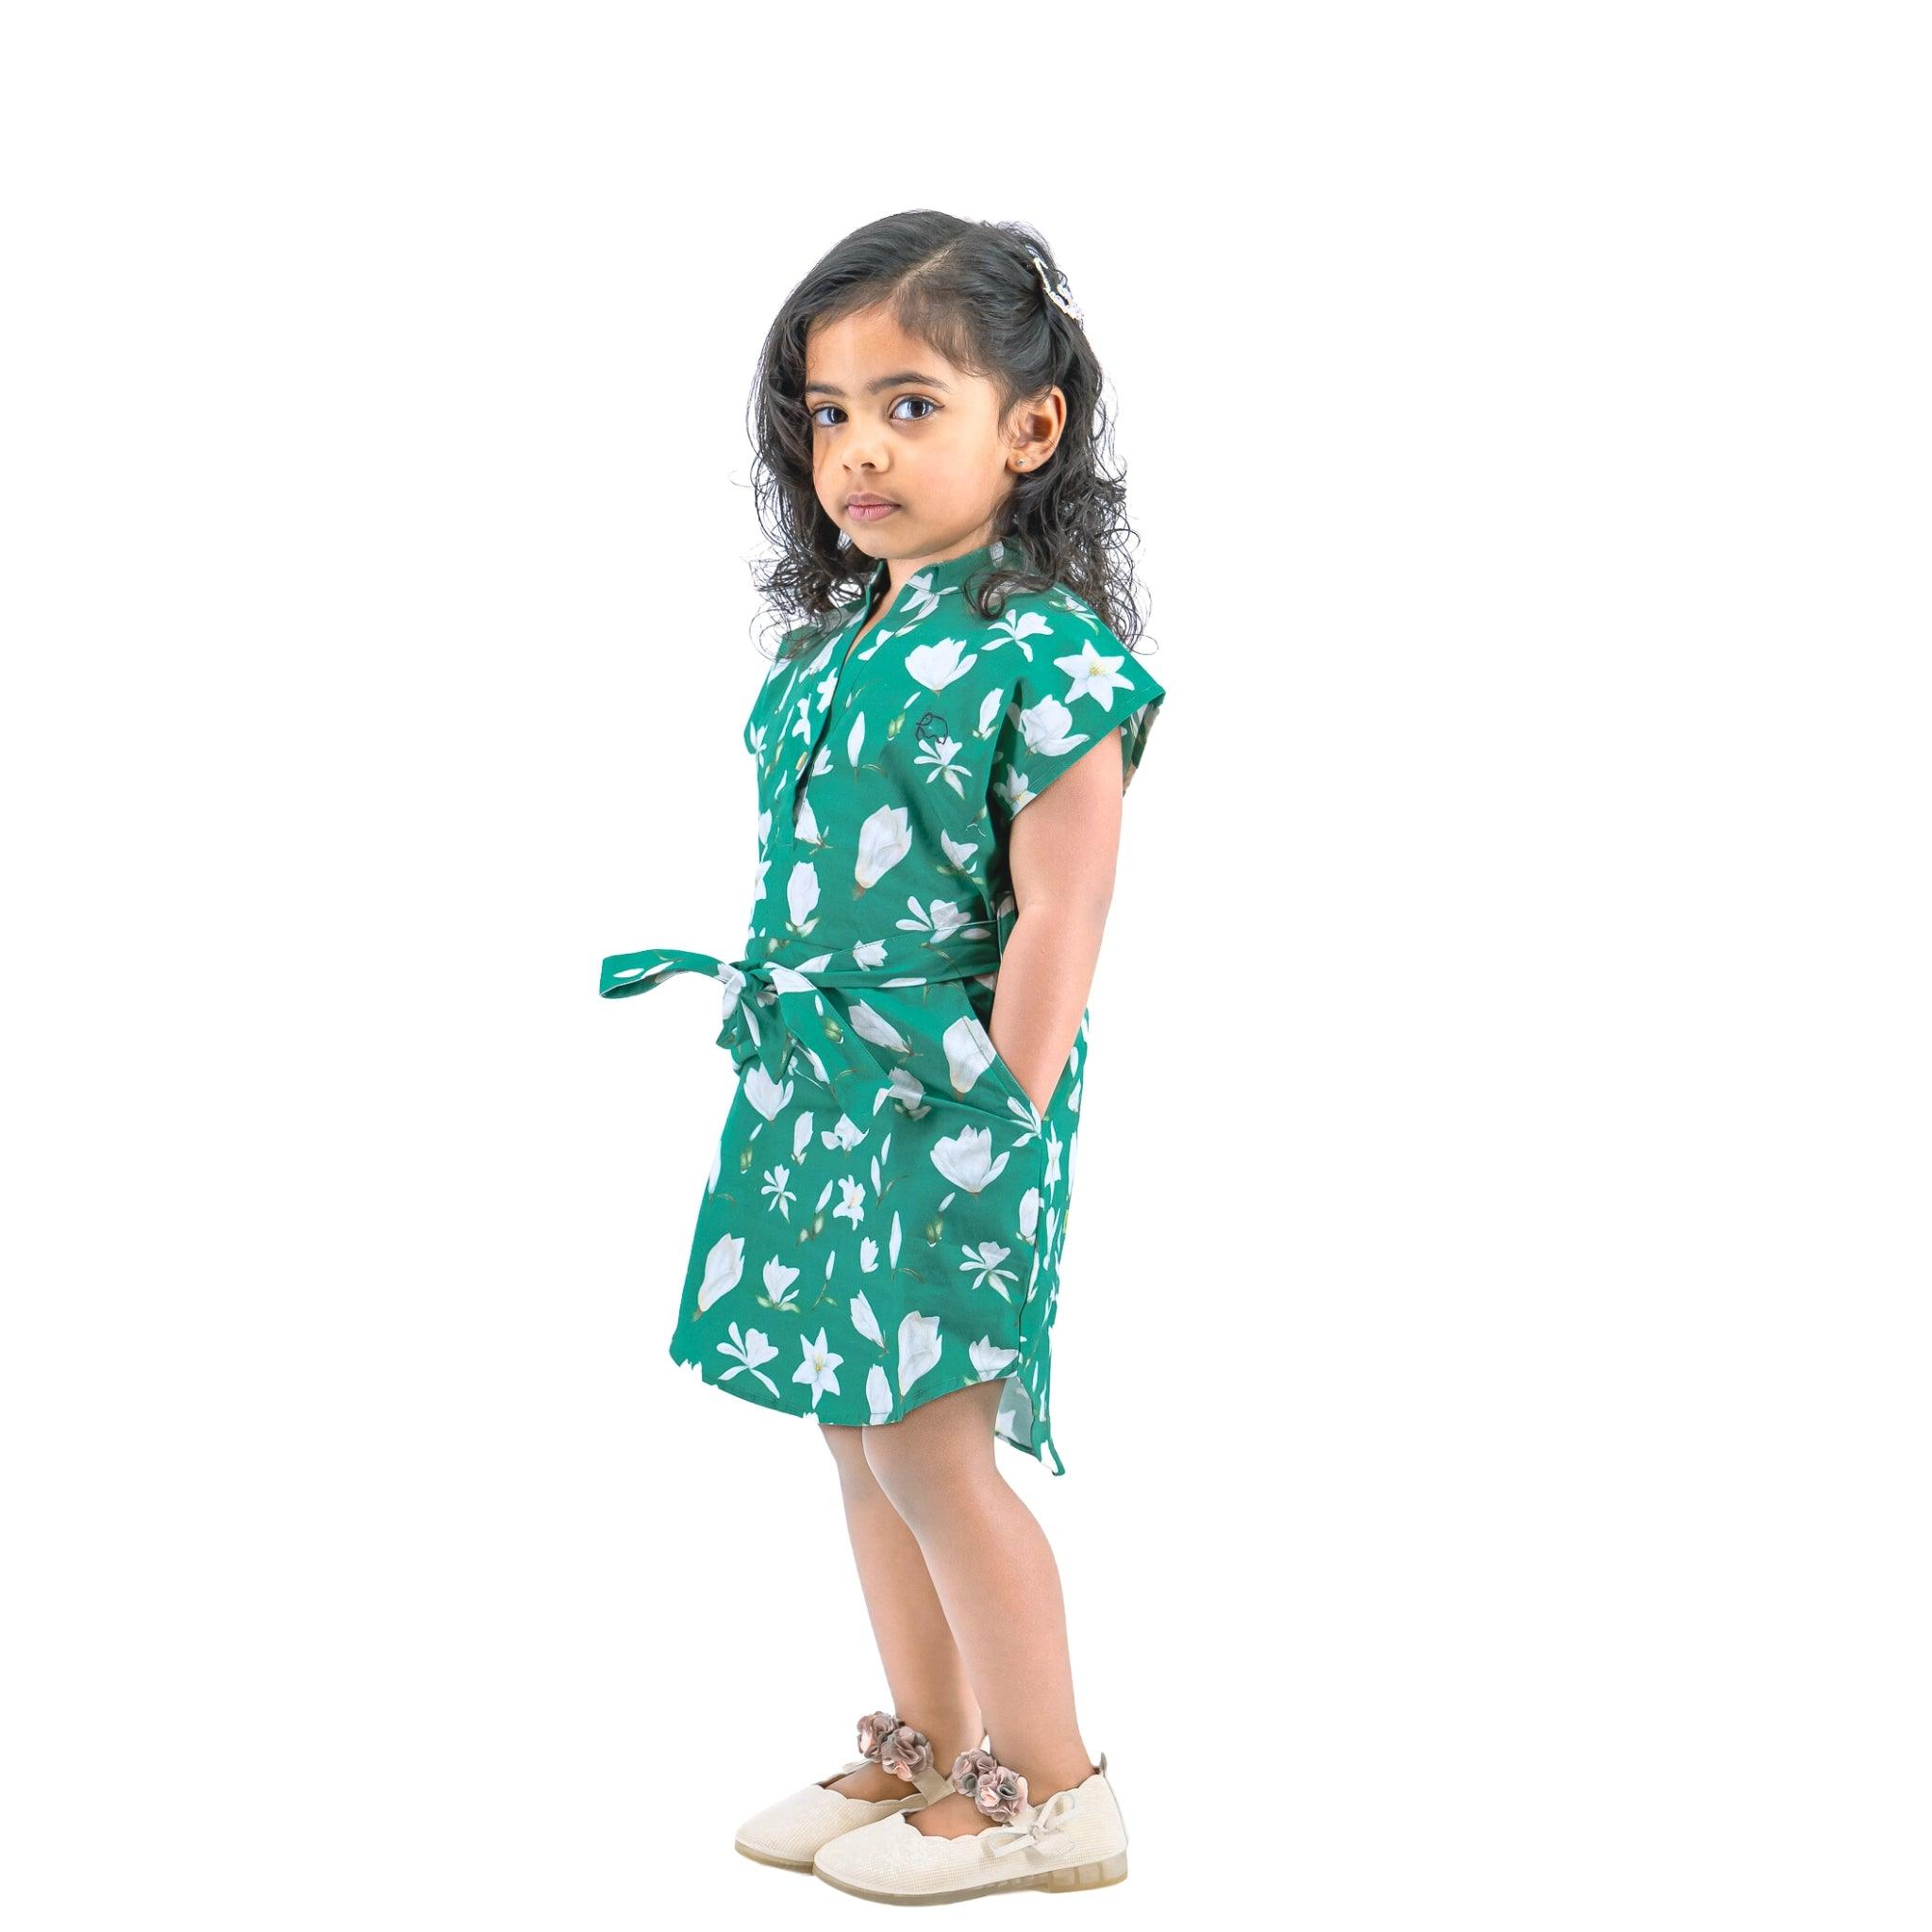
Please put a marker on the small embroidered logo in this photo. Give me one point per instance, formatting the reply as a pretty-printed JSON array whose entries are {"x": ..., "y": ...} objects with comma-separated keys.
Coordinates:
[{"x": 930, "y": 728}]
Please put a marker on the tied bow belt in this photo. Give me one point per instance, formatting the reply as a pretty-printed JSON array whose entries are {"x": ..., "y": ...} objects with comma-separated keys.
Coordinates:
[{"x": 776, "y": 1003}]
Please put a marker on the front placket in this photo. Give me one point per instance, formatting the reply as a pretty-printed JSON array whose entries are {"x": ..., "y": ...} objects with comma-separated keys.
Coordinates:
[{"x": 809, "y": 760}]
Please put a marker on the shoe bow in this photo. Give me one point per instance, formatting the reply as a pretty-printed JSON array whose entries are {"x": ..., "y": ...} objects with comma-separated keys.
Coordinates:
[{"x": 1044, "y": 1822}]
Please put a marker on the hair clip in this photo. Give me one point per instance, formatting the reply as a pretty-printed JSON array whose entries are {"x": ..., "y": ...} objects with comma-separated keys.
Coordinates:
[{"x": 1061, "y": 296}]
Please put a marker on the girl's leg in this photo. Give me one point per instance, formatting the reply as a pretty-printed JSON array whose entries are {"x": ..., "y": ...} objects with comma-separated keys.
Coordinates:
[
  {"x": 924, "y": 1672},
  {"x": 995, "y": 1575}
]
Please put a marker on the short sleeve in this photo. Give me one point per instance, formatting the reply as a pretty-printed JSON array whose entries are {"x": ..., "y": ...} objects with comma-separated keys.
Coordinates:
[{"x": 1065, "y": 702}]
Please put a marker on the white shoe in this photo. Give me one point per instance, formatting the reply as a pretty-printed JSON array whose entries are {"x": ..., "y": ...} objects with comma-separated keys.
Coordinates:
[
  {"x": 790, "y": 1833},
  {"x": 1072, "y": 1842}
]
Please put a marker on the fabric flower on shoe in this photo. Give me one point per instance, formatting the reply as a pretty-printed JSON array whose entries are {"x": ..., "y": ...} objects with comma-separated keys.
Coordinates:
[
  {"x": 970, "y": 1767},
  {"x": 872, "y": 1730},
  {"x": 895, "y": 1747},
  {"x": 906, "y": 1752},
  {"x": 1000, "y": 1794}
]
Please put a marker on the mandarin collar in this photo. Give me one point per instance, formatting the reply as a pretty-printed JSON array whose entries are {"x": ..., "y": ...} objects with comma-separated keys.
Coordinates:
[{"x": 951, "y": 571}]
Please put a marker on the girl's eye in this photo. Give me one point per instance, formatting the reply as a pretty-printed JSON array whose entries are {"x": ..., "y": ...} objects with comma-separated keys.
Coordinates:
[{"x": 818, "y": 421}]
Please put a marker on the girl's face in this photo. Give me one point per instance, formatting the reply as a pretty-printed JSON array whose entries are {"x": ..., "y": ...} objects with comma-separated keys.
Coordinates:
[{"x": 893, "y": 420}]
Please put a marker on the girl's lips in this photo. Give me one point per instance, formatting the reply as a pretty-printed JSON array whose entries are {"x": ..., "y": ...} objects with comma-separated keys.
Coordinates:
[{"x": 870, "y": 513}]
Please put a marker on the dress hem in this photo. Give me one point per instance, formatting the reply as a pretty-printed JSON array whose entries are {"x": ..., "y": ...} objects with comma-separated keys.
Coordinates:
[{"x": 1037, "y": 1450}]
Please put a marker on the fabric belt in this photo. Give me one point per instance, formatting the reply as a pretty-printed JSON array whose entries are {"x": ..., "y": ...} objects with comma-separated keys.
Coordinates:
[{"x": 776, "y": 1003}]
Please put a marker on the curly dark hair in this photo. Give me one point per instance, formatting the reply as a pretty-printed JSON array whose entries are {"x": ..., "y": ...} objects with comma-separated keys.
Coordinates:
[{"x": 970, "y": 291}]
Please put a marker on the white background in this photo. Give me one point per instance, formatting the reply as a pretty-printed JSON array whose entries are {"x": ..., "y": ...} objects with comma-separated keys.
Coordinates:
[{"x": 1491, "y": 1362}]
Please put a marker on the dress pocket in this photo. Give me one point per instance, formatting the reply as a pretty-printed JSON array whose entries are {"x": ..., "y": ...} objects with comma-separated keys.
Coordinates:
[{"x": 978, "y": 1074}]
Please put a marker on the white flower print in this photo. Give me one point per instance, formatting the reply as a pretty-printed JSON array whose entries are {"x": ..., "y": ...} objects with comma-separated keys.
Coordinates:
[
  {"x": 936, "y": 665},
  {"x": 723, "y": 1268},
  {"x": 864, "y": 1320},
  {"x": 750, "y": 1350},
  {"x": 782, "y": 1196},
  {"x": 802, "y": 894},
  {"x": 945, "y": 920},
  {"x": 884, "y": 839},
  {"x": 845, "y": 1135},
  {"x": 852, "y": 1201},
  {"x": 966, "y": 1159},
  {"x": 869, "y": 1023},
  {"x": 869, "y": 953},
  {"x": 801, "y": 1136},
  {"x": 855, "y": 739},
  {"x": 817, "y": 1368},
  {"x": 768, "y": 1096},
  {"x": 868, "y": 1248},
  {"x": 983, "y": 1263},
  {"x": 919, "y": 1347},
  {"x": 906, "y": 1092},
  {"x": 989, "y": 708},
  {"x": 1015, "y": 627},
  {"x": 989, "y": 1360},
  {"x": 1012, "y": 791},
  {"x": 780, "y": 1292},
  {"x": 805, "y": 822},
  {"x": 942, "y": 754},
  {"x": 922, "y": 600},
  {"x": 878, "y": 1393},
  {"x": 892, "y": 1250},
  {"x": 1029, "y": 1213},
  {"x": 1052, "y": 1158},
  {"x": 958, "y": 852},
  {"x": 1093, "y": 676},
  {"x": 1063, "y": 599},
  {"x": 969, "y": 1051},
  {"x": 1048, "y": 728}
]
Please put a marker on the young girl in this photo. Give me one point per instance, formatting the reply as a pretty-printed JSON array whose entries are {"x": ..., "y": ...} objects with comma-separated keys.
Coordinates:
[{"x": 940, "y": 762}]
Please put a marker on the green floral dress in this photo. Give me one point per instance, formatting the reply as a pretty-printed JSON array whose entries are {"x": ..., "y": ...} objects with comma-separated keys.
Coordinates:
[{"x": 886, "y": 1207}]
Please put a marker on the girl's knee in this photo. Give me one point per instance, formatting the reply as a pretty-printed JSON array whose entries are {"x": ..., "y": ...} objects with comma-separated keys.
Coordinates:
[{"x": 941, "y": 1444}]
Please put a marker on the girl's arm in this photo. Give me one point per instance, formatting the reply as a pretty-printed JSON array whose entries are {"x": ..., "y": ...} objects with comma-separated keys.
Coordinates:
[{"x": 1061, "y": 856}]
